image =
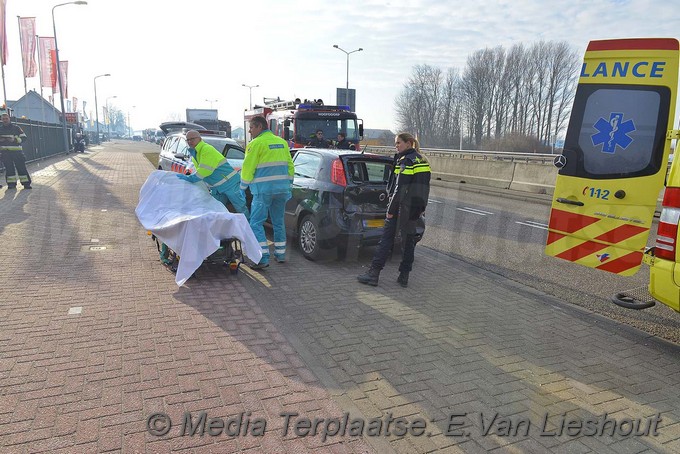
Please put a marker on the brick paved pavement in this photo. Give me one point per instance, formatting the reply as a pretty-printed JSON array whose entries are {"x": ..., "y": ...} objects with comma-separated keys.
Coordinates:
[{"x": 301, "y": 337}]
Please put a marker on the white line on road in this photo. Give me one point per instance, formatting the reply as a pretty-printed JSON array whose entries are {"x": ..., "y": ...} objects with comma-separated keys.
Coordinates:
[
  {"x": 537, "y": 225},
  {"x": 474, "y": 211},
  {"x": 434, "y": 201}
]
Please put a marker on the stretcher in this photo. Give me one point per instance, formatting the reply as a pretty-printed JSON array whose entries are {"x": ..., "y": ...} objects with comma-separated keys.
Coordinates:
[
  {"x": 190, "y": 227},
  {"x": 229, "y": 254}
]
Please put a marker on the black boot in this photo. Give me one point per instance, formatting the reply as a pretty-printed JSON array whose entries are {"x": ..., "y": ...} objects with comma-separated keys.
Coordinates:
[
  {"x": 403, "y": 279},
  {"x": 370, "y": 277}
]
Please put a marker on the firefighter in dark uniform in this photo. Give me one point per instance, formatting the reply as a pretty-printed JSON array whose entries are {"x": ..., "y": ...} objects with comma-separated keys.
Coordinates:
[
  {"x": 13, "y": 159},
  {"x": 409, "y": 189}
]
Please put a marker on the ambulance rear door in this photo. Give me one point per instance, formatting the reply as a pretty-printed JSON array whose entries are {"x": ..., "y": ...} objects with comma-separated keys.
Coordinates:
[{"x": 615, "y": 153}]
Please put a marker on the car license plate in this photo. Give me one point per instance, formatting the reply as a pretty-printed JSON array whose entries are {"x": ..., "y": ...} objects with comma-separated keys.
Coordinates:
[{"x": 374, "y": 223}]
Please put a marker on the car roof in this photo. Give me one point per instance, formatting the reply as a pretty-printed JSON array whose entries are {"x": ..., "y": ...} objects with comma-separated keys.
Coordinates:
[
  {"x": 334, "y": 152},
  {"x": 229, "y": 140},
  {"x": 206, "y": 135}
]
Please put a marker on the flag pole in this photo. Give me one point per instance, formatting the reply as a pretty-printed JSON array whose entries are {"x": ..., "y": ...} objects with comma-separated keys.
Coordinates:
[
  {"x": 3, "y": 50},
  {"x": 4, "y": 90},
  {"x": 37, "y": 38}
]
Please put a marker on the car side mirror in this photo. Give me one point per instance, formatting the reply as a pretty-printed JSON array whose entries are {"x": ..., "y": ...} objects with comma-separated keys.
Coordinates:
[{"x": 180, "y": 156}]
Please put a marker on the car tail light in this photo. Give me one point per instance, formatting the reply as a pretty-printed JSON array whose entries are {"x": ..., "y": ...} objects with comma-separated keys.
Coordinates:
[
  {"x": 338, "y": 173},
  {"x": 667, "y": 232}
]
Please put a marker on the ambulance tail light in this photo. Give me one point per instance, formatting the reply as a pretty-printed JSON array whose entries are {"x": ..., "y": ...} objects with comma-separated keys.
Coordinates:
[
  {"x": 667, "y": 232},
  {"x": 338, "y": 173}
]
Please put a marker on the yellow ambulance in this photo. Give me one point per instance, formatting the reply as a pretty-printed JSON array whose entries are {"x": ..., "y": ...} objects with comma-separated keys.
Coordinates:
[{"x": 614, "y": 165}]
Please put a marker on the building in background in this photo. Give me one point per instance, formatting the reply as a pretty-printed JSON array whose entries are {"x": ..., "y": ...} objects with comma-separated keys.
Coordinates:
[{"x": 34, "y": 107}]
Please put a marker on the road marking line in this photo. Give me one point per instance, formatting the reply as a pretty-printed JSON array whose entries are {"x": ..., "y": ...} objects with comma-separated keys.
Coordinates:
[
  {"x": 474, "y": 211},
  {"x": 434, "y": 201},
  {"x": 478, "y": 210},
  {"x": 533, "y": 224}
]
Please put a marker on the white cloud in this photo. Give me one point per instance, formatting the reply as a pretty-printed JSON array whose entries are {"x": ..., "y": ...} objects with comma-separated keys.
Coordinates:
[{"x": 165, "y": 56}]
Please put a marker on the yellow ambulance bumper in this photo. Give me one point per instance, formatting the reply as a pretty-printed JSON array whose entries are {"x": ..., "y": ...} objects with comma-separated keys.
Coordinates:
[{"x": 662, "y": 281}]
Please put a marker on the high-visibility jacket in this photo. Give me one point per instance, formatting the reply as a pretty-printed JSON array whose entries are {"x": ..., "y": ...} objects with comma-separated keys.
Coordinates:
[
  {"x": 211, "y": 166},
  {"x": 268, "y": 167},
  {"x": 409, "y": 188},
  {"x": 11, "y": 137}
]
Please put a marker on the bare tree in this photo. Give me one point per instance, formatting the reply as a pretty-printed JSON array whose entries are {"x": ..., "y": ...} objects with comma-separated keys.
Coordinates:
[{"x": 519, "y": 93}]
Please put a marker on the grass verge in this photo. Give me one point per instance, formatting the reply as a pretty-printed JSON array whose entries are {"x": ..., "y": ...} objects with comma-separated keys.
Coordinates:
[{"x": 153, "y": 159}]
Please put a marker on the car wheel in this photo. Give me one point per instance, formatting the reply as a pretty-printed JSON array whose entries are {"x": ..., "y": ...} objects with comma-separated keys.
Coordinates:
[{"x": 308, "y": 238}]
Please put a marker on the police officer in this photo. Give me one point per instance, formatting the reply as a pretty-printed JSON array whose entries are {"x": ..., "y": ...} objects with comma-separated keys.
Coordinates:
[
  {"x": 214, "y": 169},
  {"x": 268, "y": 170},
  {"x": 409, "y": 189},
  {"x": 13, "y": 158}
]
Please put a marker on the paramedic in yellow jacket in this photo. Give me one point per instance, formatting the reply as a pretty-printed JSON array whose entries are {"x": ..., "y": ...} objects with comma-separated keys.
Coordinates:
[
  {"x": 216, "y": 172},
  {"x": 12, "y": 153},
  {"x": 268, "y": 170}
]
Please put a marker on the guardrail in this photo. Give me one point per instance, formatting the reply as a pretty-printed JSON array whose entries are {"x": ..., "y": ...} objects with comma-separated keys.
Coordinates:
[
  {"x": 508, "y": 156},
  {"x": 529, "y": 172}
]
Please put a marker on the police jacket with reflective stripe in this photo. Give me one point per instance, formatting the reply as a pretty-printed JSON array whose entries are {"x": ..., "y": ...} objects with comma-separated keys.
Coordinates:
[
  {"x": 211, "y": 166},
  {"x": 409, "y": 186},
  {"x": 11, "y": 137},
  {"x": 267, "y": 167}
]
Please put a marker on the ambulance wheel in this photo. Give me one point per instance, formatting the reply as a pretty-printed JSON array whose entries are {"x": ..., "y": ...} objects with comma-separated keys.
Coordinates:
[{"x": 629, "y": 302}]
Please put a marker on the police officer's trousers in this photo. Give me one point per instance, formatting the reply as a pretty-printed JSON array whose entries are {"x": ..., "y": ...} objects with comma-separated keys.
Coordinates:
[
  {"x": 15, "y": 168},
  {"x": 384, "y": 248}
]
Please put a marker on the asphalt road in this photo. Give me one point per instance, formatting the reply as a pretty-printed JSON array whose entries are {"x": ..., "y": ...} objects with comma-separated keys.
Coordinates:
[{"x": 507, "y": 235}]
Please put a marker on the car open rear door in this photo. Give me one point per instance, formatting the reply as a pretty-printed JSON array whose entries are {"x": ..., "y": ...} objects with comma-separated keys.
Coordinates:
[
  {"x": 615, "y": 154},
  {"x": 366, "y": 191}
]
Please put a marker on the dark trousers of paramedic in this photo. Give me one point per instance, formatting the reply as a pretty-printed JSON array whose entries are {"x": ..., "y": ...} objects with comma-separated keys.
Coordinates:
[
  {"x": 15, "y": 168},
  {"x": 384, "y": 248}
]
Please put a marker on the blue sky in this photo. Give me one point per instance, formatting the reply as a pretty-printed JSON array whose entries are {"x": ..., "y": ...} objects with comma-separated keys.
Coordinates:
[{"x": 165, "y": 56}]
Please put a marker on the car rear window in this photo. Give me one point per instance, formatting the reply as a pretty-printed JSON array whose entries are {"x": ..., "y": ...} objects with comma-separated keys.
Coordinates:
[{"x": 369, "y": 171}]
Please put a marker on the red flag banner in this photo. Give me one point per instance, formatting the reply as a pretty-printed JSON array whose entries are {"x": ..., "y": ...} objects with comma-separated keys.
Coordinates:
[
  {"x": 28, "y": 44},
  {"x": 45, "y": 48},
  {"x": 53, "y": 70},
  {"x": 3, "y": 33},
  {"x": 63, "y": 67}
]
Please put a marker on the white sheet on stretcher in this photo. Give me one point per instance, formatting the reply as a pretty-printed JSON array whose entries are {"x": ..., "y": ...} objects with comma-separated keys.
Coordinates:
[{"x": 190, "y": 221}]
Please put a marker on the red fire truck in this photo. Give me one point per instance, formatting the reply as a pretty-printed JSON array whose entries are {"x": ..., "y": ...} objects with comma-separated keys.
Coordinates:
[{"x": 297, "y": 121}]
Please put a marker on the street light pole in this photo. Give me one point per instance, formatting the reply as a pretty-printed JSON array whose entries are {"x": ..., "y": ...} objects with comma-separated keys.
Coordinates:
[
  {"x": 347, "y": 79},
  {"x": 96, "y": 107},
  {"x": 108, "y": 120},
  {"x": 250, "y": 89},
  {"x": 211, "y": 101},
  {"x": 59, "y": 77}
]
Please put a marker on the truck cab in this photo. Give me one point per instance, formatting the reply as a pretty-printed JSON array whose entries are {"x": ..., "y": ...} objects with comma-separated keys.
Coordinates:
[{"x": 297, "y": 121}]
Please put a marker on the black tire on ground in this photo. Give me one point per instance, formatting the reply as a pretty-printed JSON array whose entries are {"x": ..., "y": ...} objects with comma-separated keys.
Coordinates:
[
  {"x": 308, "y": 238},
  {"x": 629, "y": 302}
]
